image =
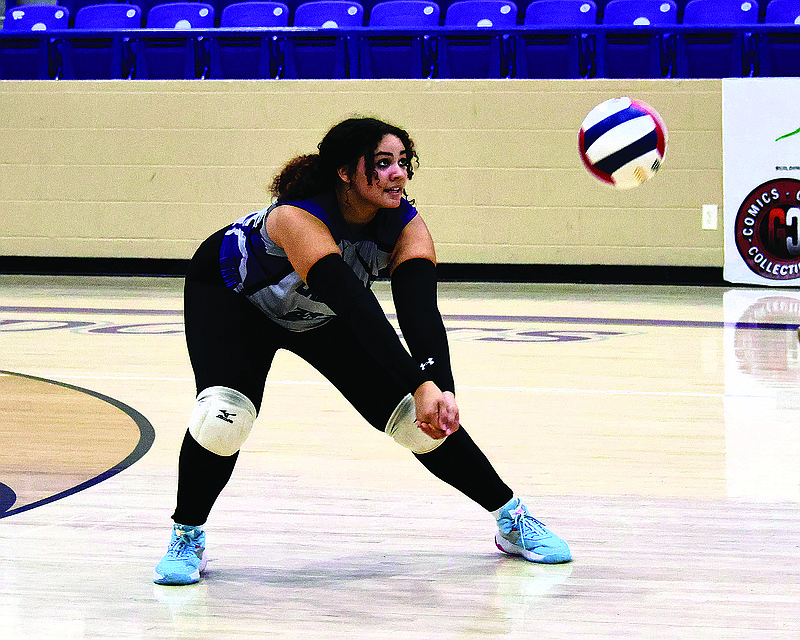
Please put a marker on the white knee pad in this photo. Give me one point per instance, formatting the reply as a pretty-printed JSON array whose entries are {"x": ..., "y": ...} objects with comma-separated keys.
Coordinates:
[
  {"x": 221, "y": 420},
  {"x": 402, "y": 427}
]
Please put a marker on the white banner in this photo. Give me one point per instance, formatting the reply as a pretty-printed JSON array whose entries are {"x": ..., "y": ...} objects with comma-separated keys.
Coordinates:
[{"x": 761, "y": 180}]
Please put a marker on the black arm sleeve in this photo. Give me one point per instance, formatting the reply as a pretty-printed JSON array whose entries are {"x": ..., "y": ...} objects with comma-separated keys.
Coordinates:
[
  {"x": 414, "y": 293},
  {"x": 338, "y": 286}
]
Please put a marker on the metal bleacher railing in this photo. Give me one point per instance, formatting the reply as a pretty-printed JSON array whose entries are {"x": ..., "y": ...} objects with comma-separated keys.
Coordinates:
[{"x": 585, "y": 51}]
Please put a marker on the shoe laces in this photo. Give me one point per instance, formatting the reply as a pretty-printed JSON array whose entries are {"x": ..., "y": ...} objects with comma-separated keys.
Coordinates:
[
  {"x": 183, "y": 545},
  {"x": 530, "y": 529}
]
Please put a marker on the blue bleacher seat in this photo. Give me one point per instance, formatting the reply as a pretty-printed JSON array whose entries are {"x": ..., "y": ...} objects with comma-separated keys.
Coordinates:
[
  {"x": 405, "y": 13},
  {"x": 34, "y": 57},
  {"x": 98, "y": 57},
  {"x": 481, "y": 13},
  {"x": 782, "y": 12},
  {"x": 712, "y": 52},
  {"x": 640, "y": 12},
  {"x": 329, "y": 14},
  {"x": 259, "y": 13},
  {"x": 476, "y": 55},
  {"x": 780, "y": 52},
  {"x": 36, "y": 17},
  {"x": 165, "y": 56},
  {"x": 248, "y": 55},
  {"x": 407, "y": 56},
  {"x": 110, "y": 15},
  {"x": 320, "y": 54},
  {"x": 560, "y": 13},
  {"x": 720, "y": 13},
  {"x": 553, "y": 54},
  {"x": 637, "y": 55},
  {"x": 181, "y": 15}
]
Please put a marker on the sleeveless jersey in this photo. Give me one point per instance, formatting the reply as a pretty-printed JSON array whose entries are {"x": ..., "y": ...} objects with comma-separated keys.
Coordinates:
[{"x": 253, "y": 265}]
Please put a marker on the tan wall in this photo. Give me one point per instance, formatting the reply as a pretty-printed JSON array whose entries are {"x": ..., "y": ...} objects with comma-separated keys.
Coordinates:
[{"x": 150, "y": 168}]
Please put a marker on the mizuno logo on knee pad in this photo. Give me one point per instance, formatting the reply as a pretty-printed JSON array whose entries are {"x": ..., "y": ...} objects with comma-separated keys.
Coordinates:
[{"x": 222, "y": 420}]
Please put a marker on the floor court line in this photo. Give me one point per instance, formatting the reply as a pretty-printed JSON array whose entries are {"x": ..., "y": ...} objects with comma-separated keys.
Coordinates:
[
  {"x": 533, "y": 390},
  {"x": 639, "y": 322}
]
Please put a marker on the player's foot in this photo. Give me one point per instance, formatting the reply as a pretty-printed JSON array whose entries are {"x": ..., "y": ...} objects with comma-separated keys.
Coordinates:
[
  {"x": 520, "y": 534},
  {"x": 185, "y": 557}
]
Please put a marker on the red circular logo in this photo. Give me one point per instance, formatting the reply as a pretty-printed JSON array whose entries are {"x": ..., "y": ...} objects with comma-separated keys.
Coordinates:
[{"x": 767, "y": 229}]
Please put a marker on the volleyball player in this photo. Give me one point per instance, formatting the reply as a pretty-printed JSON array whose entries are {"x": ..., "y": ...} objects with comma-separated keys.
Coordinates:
[{"x": 297, "y": 276}]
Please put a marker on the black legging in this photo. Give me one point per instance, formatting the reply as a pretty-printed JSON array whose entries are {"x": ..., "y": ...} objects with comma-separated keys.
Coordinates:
[{"x": 232, "y": 344}]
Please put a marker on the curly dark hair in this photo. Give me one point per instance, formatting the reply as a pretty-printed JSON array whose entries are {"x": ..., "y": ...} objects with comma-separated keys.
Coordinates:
[{"x": 345, "y": 144}]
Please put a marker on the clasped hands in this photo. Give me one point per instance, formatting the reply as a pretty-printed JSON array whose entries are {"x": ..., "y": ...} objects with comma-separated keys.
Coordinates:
[{"x": 437, "y": 411}]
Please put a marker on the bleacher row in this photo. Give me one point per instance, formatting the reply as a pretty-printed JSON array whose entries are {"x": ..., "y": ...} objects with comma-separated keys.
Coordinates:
[{"x": 402, "y": 39}]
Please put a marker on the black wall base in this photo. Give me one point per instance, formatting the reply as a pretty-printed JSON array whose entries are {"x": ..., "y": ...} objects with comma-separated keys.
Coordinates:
[{"x": 448, "y": 272}]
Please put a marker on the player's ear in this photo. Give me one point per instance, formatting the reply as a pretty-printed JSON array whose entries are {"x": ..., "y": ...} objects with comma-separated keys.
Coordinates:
[{"x": 344, "y": 173}]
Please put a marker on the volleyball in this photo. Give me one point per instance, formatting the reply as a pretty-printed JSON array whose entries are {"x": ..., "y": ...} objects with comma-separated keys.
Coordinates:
[{"x": 622, "y": 142}]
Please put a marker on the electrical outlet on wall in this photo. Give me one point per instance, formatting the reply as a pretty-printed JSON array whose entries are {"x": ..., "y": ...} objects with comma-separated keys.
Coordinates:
[{"x": 710, "y": 214}]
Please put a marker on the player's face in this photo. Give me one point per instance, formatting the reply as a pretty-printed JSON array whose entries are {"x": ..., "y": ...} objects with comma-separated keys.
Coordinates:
[{"x": 389, "y": 177}]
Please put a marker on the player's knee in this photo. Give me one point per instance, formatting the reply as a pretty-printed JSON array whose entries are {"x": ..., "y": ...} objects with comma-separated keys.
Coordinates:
[
  {"x": 222, "y": 420},
  {"x": 402, "y": 427}
]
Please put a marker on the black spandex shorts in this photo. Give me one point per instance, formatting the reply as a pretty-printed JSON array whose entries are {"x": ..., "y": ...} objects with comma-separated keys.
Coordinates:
[{"x": 232, "y": 344}]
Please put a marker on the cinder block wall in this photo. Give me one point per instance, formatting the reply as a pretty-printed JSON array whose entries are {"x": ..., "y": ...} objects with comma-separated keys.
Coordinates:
[{"x": 150, "y": 168}]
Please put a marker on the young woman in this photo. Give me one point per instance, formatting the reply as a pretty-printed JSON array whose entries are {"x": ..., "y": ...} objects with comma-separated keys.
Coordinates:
[{"x": 296, "y": 276}]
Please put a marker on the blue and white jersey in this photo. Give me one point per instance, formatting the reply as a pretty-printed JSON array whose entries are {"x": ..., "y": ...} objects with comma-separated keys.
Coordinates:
[{"x": 252, "y": 264}]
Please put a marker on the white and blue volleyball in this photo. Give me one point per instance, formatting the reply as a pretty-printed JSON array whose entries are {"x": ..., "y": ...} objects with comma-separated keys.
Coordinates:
[{"x": 622, "y": 142}]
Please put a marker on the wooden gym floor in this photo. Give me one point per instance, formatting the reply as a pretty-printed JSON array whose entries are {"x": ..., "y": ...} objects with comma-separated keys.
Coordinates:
[{"x": 654, "y": 428}]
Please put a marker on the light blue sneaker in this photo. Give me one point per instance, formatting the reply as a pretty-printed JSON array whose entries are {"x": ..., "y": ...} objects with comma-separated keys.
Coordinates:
[
  {"x": 185, "y": 558},
  {"x": 520, "y": 534}
]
